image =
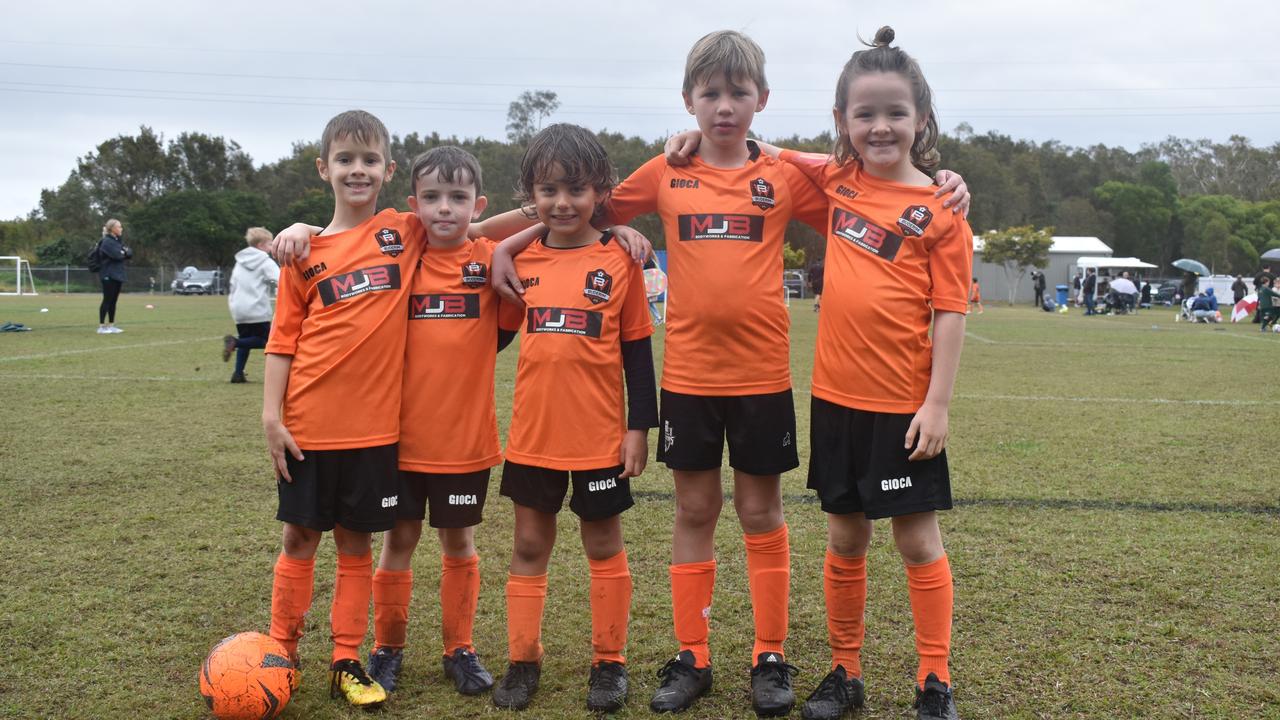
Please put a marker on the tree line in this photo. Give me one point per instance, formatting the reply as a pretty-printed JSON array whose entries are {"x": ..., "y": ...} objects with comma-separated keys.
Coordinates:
[{"x": 189, "y": 199}]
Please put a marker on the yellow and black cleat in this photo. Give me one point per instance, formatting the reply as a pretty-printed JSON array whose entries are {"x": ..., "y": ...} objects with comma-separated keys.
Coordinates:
[{"x": 348, "y": 679}]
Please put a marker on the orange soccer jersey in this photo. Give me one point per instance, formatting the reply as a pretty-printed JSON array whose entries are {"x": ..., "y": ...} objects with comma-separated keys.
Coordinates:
[
  {"x": 580, "y": 305},
  {"x": 727, "y": 322},
  {"x": 341, "y": 315},
  {"x": 894, "y": 257},
  {"x": 447, "y": 418}
]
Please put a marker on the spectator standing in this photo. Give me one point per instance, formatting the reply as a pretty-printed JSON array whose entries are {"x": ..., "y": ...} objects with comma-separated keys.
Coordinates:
[
  {"x": 816, "y": 273},
  {"x": 1238, "y": 289},
  {"x": 1075, "y": 289},
  {"x": 1037, "y": 283},
  {"x": 1088, "y": 288},
  {"x": 1258, "y": 284},
  {"x": 113, "y": 252},
  {"x": 252, "y": 280}
]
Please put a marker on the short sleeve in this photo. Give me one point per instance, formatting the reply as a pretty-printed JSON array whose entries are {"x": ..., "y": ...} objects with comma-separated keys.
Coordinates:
[
  {"x": 951, "y": 267},
  {"x": 638, "y": 194},
  {"x": 809, "y": 200},
  {"x": 291, "y": 308},
  {"x": 813, "y": 165},
  {"x": 635, "y": 322}
]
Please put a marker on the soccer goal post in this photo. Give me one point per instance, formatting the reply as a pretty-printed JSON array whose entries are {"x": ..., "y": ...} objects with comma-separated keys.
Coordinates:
[{"x": 15, "y": 276}]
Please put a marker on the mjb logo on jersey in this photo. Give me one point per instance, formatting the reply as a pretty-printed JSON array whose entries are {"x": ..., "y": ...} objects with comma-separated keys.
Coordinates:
[
  {"x": 458, "y": 306},
  {"x": 564, "y": 321},
  {"x": 474, "y": 274},
  {"x": 389, "y": 241},
  {"x": 865, "y": 234},
  {"x": 762, "y": 194},
  {"x": 717, "y": 226},
  {"x": 915, "y": 219},
  {"x": 359, "y": 282},
  {"x": 599, "y": 286}
]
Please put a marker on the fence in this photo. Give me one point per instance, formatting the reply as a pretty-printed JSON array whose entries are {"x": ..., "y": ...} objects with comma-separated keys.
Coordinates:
[{"x": 68, "y": 279}]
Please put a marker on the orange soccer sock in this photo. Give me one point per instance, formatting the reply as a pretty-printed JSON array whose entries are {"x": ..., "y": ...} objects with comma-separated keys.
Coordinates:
[
  {"x": 526, "y": 594},
  {"x": 392, "y": 590},
  {"x": 932, "y": 598},
  {"x": 692, "y": 585},
  {"x": 769, "y": 574},
  {"x": 610, "y": 607},
  {"x": 845, "y": 582},
  {"x": 349, "y": 614},
  {"x": 290, "y": 599},
  {"x": 459, "y": 595}
]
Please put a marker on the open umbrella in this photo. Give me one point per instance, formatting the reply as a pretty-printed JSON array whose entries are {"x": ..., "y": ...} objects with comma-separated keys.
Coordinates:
[
  {"x": 1191, "y": 266},
  {"x": 1272, "y": 254}
]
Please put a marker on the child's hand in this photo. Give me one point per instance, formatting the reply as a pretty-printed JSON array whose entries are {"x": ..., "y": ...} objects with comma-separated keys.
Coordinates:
[
  {"x": 950, "y": 181},
  {"x": 505, "y": 280},
  {"x": 278, "y": 441},
  {"x": 633, "y": 241},
  {"x": 293, "y": 243},
  {"x": 635, "y": 452},
  {"x": 927, "y": 432},
  {"x": 681, "y": 146}
]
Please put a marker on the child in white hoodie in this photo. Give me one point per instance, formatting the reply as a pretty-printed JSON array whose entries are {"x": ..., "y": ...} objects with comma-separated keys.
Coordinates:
[{"x": 252, "y": 281}]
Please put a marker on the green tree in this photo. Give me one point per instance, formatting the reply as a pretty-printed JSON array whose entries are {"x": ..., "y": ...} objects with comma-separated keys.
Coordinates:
[
  {"x": 194, "y": 227},
  {"x": 1141, "y": 216},
  {"x": 526, "y": 114},
  {"x": 205, "y": 162},
  {"x": 1016, "y": 249},
  {"x": 126, "y": 171}
]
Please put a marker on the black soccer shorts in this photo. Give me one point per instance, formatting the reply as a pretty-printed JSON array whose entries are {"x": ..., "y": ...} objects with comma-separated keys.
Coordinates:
[
  {"x": 357, "y": 489},
  {"x": 760, "y": 429},
  {"x": 456, "y": 500},
  {"x": 857, "y": 463},
  {"x": 597, "y": 494}
]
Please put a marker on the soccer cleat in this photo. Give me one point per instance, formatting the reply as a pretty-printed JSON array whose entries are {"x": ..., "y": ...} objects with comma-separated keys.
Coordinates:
[
  {"x": 517, "y": 687},
  {"x": 836, "y": 695},
  {"x": 349, "y": 680},
  {"x": 682, "y": 683},
  {"x": 384, "y": 667},
  {"x": 113, "y": 330},
  {"x": 104, "y": 331},
  {"x": 771, "y": 694},
  {"x": 607, "y": 687},
  {"x": 238, "y": 379},
  {"x": 934, "y": 702},
  {"x": 468, "y": 675},
  {"x": 228, "y": 346}
]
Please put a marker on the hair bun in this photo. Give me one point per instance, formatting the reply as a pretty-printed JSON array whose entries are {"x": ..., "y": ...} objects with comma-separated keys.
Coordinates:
[{"x": 884, "y": 36}]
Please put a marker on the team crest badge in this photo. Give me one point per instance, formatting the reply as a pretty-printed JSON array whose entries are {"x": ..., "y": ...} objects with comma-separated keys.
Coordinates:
[
  {"x": 389, "y": 241},
  {"x": 915, "y": 219},
  {"x": 762, "y": 194},
  {"x": 474, "y": 274},
  {"x": 599, "y": 286}
]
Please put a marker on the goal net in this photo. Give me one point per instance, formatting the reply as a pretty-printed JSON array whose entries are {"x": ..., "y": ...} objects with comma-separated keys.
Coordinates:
[{"x": 15, "y": 276}]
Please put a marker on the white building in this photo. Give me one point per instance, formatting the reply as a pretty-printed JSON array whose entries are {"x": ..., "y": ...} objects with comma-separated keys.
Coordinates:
[{"x": 1064, "y": 260}]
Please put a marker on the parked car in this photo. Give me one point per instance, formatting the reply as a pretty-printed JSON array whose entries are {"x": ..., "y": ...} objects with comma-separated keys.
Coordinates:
[
  {"x": 793, "y": 282},
  {"x": 193, "y": 281}
]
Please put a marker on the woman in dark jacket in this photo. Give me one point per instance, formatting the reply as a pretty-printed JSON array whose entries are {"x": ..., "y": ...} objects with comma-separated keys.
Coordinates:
[{"x": 113, "y": 253}]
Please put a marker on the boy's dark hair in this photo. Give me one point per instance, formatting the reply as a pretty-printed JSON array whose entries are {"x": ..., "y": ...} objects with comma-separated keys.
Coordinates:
[
  {"x": 884, "y": 59},
  {"x": 577, "y": 152},
  {"x": 452, "y": 163},
  {"x": 726, "y": 52},
  {"x": 357, "y": 124}
]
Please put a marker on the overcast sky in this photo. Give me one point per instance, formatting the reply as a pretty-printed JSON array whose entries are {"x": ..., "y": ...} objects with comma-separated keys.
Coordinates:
[{"x": 271, "y": 72}]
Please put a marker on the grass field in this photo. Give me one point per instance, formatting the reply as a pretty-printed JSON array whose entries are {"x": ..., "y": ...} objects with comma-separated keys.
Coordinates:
[{"x": 1116, "y": 540}]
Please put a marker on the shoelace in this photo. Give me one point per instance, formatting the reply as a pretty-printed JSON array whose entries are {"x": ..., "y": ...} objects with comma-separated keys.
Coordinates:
[
  {"x": 605, "y": 671},
  {"x": 779, "y": 672},
  {"x": 934, "y": 701},
  {"x": 469, "y": 661},
  {"x": 348, "y": 667},
  {"x": 832, "y": 688},
  {"x": 674, "y": 667},
  {"x": 517, "y": 673}
]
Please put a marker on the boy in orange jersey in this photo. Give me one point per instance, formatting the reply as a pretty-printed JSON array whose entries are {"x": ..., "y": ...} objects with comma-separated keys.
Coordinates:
[
  {"x": 331, "y": 396},
  {"x": 587, "y": 328},
  {"x": 726, "y": 372},
  {"x": 975, "y": 296},
  {"x": 449, "y": 428}
]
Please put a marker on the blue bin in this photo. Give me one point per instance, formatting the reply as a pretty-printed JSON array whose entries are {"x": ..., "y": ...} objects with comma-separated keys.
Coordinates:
[{"x": 1062, "y": 293}]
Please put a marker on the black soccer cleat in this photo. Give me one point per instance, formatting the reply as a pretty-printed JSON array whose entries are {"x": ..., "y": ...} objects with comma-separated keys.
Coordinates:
[
  {"x": 517, "y": 687},
  {"x": 607, "y": 687},
  {"x": 682, "y": 684},
  {"x": 836, "y": 695},
  {"x": 384, "y": 667},
  {"x": 934, "y": 702},
  {"x": 771, "y": 694},
  {"x": 468, "y": 675}
]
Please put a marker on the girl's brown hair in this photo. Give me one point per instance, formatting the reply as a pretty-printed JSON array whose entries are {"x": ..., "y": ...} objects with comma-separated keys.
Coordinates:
[
  {"x": 884, "y": 59},
  {"x": 573, "y": 149}
]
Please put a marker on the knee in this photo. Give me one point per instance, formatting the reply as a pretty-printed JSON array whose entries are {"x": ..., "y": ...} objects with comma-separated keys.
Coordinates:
[
  {"x": 300, "y": 542},
  {"x": 759, "y": 513},
  {"x": 698, "y": 509},
  {"x": 457, "y": 542},
  {"x": 530, "y": 548},
  {"x": 849, "y": 537},
  {"x": 403, "y": 538}
]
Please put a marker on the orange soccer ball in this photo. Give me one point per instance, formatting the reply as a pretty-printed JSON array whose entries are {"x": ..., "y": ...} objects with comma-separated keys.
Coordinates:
[{"x": 247, "y": 676}]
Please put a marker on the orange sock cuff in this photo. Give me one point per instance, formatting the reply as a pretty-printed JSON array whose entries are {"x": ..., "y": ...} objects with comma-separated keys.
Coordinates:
[
  {"x": 526, "y": 596},
  {"x": 611, "y": 589},
  {"x": 932, "y": 602},
  {"x": 845, "y": 589},
  {"x": 769, "y": 576},
  {"x": 293, "y": 567},
  {"x": 692, "y": 586},
  {"x": 459, "y": 595},
  {"x": 349, "y": 613},
  {"x": 392, "y": 591}
]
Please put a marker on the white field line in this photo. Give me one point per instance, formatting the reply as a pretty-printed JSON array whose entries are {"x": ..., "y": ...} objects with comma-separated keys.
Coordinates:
[
  {"x": 104, "y": 348},
  {"x": 104, "y": 378},
  {"x": 979, "y": 338}
]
